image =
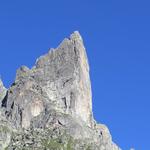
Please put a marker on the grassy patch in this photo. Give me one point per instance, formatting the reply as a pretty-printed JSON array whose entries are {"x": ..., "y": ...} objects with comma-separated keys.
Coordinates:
[
  {"x": 4, "y": 129},
  {"x": 52, "y": 144}
]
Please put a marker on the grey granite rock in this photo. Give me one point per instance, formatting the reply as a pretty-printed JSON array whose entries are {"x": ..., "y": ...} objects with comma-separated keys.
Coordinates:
[
  {"x": 59, "y": 78},
  {"x": 49, "y": 106},
  {"x": 3, "y": 91}
]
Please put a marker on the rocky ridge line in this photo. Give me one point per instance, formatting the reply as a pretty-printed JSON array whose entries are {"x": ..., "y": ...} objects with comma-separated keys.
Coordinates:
[{"x": 49, "y": 107}]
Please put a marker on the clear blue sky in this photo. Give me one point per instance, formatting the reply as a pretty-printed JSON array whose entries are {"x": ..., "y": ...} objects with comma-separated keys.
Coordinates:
[{"x": 117, "y": 37}]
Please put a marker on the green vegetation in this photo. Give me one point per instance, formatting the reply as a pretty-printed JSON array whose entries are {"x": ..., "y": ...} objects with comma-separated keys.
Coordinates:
[
  {"x": 48, "y": 140},
  {"x": 4, "y": 129},
  {"x": 52, "y": 144},
  {"x": 70, "y": 144},
  {"x": 88, "y": 148},
  {"x": 6, "y": 148},
  {"x": 56, "y": 144}
]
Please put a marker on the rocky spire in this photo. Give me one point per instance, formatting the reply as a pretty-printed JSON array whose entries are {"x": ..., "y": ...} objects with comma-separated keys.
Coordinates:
[
  {"x": 60, "y": 77},
  {"x": 50, "y": 105}
]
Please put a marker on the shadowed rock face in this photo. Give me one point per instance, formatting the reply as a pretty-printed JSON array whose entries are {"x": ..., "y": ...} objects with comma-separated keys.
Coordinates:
[{"x": 55, "y": 95}]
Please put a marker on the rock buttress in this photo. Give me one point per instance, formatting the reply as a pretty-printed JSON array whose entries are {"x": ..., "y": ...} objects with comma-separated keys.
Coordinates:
[
  {"x": 50, "y": 106},
  {"x": 59, "y": 78}
]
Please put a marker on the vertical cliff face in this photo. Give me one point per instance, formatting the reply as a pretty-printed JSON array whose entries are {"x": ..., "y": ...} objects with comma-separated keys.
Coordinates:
[
  {"x": 65, "y": 78},
  {"x": 60, "y": 77},
  {"x": 54, "y": 99}
]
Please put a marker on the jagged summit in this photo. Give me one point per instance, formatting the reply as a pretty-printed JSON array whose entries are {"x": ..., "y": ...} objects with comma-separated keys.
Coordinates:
[
  {"x": 63, "y": 75},
  {"x": 76, "y": 36},
  {"x": 54, "y": 99}
]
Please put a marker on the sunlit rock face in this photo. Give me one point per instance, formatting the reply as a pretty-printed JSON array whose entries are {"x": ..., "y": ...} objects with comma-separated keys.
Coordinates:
[
  {"x": 63, "y": 74},
  {"x": 60, "y": 77},
  {"x": 2, "y": 91},
  {"x": 36, "y": 107},
  {"x": 33, "y": 109},
  {"x": 50, "y": 105}
]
